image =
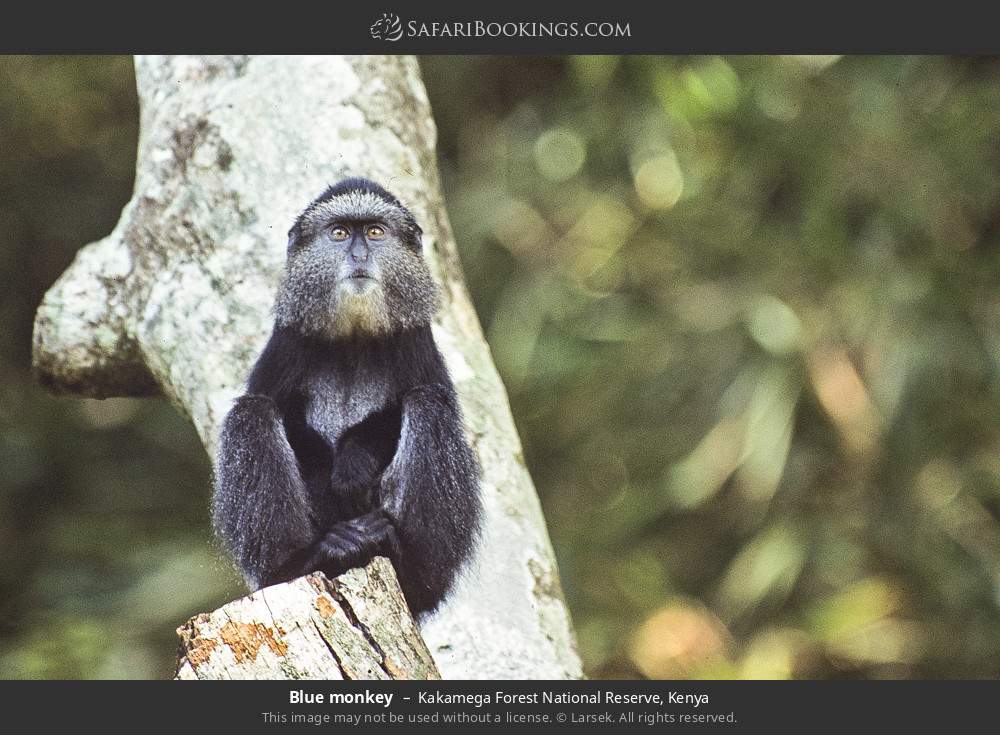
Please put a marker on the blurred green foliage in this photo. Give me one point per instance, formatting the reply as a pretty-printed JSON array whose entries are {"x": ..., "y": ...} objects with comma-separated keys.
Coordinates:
[{"x": 747, "y": 312}]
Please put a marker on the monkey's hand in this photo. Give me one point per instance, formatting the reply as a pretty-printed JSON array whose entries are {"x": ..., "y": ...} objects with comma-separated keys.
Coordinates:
[{"x": 353, "y": 543}]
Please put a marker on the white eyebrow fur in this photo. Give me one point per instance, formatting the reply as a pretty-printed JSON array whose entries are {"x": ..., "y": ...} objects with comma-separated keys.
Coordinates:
[{"x": 354, "y": 205}]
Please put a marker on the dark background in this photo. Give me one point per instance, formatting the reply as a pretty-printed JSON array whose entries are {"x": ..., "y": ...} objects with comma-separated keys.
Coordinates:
[{"x": 747, "y": 312}]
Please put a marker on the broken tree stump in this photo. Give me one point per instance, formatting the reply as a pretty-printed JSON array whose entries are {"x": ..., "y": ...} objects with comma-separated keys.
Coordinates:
[{"x": 356, "y": 626}]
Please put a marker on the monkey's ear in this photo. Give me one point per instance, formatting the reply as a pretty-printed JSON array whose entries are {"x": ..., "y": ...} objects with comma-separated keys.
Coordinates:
[
  {"x": 294, "y": 235},
  {"x": 417, "y": 237}
]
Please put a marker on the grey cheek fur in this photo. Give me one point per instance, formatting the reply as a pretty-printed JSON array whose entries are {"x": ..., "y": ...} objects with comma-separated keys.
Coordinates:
[
  {"x": 312, "y": 300},
  {"x": 411, "y": 294}
]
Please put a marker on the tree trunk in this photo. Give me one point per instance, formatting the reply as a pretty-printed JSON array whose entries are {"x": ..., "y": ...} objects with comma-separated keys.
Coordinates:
[
  {"x": 356, "y": 626},
  {"x": 177, "y": 300}
]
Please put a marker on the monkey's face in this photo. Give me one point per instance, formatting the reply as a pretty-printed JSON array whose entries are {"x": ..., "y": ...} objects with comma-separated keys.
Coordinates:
[{"x": 355, "y": 268}]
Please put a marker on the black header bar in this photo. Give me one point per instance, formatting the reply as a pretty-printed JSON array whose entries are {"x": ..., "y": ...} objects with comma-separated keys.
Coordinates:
[{"x": 505, "y": 28}]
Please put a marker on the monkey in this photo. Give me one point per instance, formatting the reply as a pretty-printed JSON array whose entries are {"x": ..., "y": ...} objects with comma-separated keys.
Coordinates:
[{"x": 348, "y": 442}]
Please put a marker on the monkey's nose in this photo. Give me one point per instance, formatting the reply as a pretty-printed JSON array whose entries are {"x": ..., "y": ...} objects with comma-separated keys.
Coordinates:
[{"x": 358, "y": 252}]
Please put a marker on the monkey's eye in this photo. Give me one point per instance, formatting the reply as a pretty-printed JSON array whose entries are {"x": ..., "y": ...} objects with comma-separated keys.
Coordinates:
[
  {"x": 375, "y": 232},
  {"x": 339, "y": 232}
]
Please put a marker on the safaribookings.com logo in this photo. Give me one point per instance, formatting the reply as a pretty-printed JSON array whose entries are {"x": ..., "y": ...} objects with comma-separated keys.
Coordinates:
[
  {"x": 390, "y": 28},
  {"x": 387, "y": 28}
]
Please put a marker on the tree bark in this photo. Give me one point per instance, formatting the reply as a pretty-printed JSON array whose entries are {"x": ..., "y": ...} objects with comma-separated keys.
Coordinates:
[
  {"x": 356, "y": 626},
  {"x": 177, "y": 300}
]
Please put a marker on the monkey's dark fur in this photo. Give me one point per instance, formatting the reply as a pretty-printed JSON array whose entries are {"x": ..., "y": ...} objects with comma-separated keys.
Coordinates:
[{"x": 348, "y": 442}]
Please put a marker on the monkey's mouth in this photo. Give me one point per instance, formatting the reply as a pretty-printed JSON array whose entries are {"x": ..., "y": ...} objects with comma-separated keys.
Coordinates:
[{"x": 358, "y": 282}]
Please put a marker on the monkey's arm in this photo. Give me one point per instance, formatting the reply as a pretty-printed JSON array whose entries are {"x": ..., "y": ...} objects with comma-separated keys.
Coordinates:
[
  {"x": 352, "y": 527},
  {"x": 429, "y": 511},
  {"x": 261, "y": 508},
  {"x": 431, "y": 493}
]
